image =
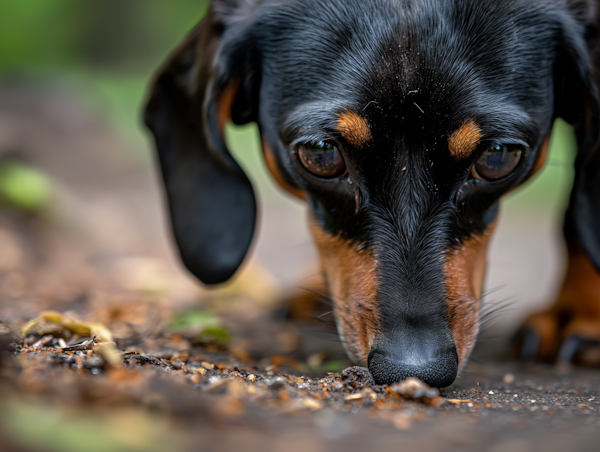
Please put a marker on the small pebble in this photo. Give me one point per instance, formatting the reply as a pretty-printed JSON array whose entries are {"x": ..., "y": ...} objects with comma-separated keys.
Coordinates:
[{"x": 278, "y": 383}]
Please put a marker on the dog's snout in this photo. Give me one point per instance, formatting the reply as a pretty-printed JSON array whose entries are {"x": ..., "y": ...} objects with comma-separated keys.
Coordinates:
[{"x": 437, "y": 370}]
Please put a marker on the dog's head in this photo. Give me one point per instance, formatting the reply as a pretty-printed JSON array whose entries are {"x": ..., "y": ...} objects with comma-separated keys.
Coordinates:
[{"x": 401, "y": 123}]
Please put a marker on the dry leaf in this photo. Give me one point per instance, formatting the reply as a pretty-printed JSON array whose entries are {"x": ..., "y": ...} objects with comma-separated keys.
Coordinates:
[{"x": 59, "y": 325}]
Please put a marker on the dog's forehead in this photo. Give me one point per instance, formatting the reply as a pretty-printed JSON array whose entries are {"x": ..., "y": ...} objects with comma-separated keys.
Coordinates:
[{"x": 402, "y": 59}]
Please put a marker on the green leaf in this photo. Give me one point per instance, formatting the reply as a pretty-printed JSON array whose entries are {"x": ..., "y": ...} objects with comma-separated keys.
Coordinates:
[
  {"x": 195, "y": 320},
  {"x": 206, "y": 326},
  {"x": 335, "y": 367},
  {"x": 24, "y": 188},
  {"x": 217, "y": 335}
]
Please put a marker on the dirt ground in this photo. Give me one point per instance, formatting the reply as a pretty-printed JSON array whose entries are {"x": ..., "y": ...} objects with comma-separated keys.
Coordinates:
[{"x": 174, "y": 366}]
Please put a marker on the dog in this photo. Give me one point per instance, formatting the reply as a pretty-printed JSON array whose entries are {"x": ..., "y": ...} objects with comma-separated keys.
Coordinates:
[{"x": 401, "y": 123}]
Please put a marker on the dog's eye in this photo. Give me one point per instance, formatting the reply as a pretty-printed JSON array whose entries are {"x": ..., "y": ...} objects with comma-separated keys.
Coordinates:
[
  {"x": 322, "y": 158},
  {"x": 497, "y": 162}
]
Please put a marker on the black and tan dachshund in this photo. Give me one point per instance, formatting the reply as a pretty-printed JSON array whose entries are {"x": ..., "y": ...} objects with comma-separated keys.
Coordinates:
[{"x": 401, "y": 123}]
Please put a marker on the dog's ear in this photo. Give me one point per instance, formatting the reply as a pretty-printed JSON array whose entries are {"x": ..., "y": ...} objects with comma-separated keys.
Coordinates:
[
  {"x": 211, "y": 201},
  {"x": 577, "y": 101}
]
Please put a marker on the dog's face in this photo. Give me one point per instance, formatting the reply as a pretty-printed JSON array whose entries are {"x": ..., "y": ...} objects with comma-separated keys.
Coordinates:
[{"x": 401, "y": 123}]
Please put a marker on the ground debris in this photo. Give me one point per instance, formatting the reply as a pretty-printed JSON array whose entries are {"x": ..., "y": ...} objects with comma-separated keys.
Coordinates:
[
  {"x": 357, "y": 376},
  {"x": 415, "y": 389},
  {"x": 135, "y": 358},
  {"x": 109, "y": 353},
  {"x": 85, "y": 345}
]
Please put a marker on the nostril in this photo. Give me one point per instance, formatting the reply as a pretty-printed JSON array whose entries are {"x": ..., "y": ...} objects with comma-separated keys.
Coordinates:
[{"x": 439, "y": 372}]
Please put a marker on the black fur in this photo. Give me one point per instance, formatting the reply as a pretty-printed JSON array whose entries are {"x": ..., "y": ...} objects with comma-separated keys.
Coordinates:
[{"x": 416, "y": 70}]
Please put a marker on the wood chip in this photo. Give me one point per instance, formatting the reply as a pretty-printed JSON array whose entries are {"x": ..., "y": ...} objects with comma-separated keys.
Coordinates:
[
  {"x": 312, "y": 404},
  {"x": 196, "y": 379}
]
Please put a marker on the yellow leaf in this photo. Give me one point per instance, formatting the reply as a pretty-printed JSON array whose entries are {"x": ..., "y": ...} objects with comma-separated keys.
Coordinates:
[{"x": 57, "y": 324}]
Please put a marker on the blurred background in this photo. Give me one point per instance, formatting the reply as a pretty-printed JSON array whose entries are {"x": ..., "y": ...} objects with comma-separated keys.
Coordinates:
[
  {"x": 74, "y": 76},
  {"x": 81, "y": 207}
]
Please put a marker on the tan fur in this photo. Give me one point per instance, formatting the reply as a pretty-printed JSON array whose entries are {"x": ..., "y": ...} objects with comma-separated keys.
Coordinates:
[
  {"x": 274, "y": 169},
  {"x": 351, "y": 280},
  {"x": 354, "y": 128},
  {"x": 577, "y": 310},
  {"x": 580, "y": 294},
  {"x": 542, "y": 155},
  {"x": 464, "y": 273},
  {"x": 464, "y": 140},
  {"x": 226, "y": 100}
]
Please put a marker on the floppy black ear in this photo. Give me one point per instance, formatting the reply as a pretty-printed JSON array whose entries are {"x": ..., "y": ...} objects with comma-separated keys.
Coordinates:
[
  {"x": 578, "y": 102},
  {"x": 211, "y": 201}
]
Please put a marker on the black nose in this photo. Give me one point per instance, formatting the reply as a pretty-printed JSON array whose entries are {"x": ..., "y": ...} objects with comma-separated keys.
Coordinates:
[{"x": 438, "y": 372}]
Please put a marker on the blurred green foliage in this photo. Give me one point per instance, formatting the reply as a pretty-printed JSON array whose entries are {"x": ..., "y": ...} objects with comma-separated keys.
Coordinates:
[
  {"x": 130, "y": 35},
  {"x": 106, "y": 52},
  {"x": 38, "y": 426}
]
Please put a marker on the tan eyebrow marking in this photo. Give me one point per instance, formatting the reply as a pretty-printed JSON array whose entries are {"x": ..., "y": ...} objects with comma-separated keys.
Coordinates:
[
  {"x": 464, "y": 140},
  {"x": 354, "y": 128}
]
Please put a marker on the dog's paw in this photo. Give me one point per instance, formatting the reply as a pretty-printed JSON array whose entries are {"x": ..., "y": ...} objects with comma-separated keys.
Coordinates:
[
  {"x": 570, "y": 330},
  {"x": 567, "y": 335}
]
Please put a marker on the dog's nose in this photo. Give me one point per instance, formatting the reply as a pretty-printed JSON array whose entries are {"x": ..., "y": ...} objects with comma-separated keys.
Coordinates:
[{"x": 438, "y": 371}]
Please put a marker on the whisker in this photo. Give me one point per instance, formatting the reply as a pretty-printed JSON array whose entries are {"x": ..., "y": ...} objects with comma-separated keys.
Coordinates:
[{"x": 324, "y": 314}]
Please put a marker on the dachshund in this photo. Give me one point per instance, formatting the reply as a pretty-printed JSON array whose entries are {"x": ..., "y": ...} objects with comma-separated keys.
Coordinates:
[{"x": 401, "y": 123}]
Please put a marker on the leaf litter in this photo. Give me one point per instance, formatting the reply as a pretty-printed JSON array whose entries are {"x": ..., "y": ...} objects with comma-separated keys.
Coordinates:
[
  {"x": 182, "y": 373},
  {"x": 203, "y": 378}
]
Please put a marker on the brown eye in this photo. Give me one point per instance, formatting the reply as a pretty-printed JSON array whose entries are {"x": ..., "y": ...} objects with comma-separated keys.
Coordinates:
[
  {"x": 322, "y": 159},
  {"x": 497, "y": 162}
]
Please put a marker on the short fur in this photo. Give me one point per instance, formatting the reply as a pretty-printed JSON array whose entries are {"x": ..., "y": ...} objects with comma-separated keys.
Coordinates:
[{"x": 411, "y": 74}]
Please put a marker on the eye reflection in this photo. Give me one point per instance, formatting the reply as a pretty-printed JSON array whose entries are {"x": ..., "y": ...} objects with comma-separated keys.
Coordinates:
[
  {"x": 497, "y": 162},
  {"x": 322, "y": 158}
]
